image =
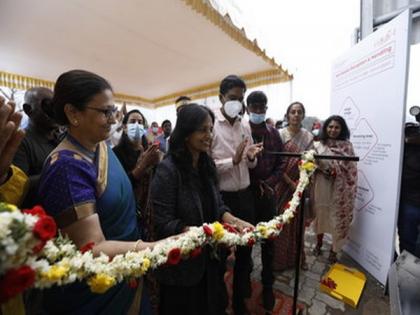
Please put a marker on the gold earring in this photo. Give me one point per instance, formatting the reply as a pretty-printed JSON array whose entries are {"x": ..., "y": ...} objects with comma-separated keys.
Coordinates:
[{"x": 75, "y": 122}]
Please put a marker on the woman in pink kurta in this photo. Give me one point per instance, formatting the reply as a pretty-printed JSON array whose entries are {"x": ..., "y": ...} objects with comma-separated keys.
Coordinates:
[
  {"x": 296, "y": 140},
  {"x": 334, "y": 186}
]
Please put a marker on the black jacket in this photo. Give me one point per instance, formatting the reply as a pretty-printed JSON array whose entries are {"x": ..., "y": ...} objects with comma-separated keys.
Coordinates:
[{"x": 177, "y": 204}]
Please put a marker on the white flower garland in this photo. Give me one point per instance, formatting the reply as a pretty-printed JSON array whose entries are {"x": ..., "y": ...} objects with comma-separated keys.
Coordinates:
[{"x": 60, "y": 262}]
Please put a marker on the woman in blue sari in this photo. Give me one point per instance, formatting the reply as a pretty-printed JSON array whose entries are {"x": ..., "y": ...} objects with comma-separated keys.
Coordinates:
[{"x": 84, "y": 187}]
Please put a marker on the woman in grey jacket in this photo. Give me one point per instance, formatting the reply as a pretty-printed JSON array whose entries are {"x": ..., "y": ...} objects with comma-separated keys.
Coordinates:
[{"x": 184, "y": 193}]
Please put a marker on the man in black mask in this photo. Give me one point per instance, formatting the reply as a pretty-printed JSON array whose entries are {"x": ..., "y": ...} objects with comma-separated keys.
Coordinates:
[{"x": 42, "y": 136}]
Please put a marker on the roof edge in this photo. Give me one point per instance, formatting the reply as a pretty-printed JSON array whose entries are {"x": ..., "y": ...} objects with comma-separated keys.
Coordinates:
[{"x": 205, "y": 8}]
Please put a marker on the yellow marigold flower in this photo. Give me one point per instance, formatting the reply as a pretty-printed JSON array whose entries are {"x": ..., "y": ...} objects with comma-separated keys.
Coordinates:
[
  {"x": 101, "y": 282},
  {"x": 9, "y": 207},
  {"x": 145, "y": 265},
  {"x": 263, "y": 230},
  {"x": 308, "y": 166},
  {"x": 219, "y": 231},
  {"x": 56, "y": 273}
]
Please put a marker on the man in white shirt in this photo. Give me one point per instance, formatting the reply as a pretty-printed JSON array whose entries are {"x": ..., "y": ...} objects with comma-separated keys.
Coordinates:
[{"x": 234, "y": 152}]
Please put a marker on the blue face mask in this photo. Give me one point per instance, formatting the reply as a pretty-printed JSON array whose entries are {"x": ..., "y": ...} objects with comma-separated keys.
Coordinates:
[
  {"x": 256, "y": 119},
  {"x": 135, "y": 131}
]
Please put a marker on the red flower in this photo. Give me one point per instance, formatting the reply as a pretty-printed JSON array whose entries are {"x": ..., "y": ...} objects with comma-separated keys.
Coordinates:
[
  {"x": 248, "y": 229},
  {"x": 230, "y": 228},
  {"x": 251, "y": 241},
  {"x": 299, "y": 194},
  {"x": 287, "y": 206},
  {"x": 195, "y": 252},
  {"x": 38, "y": 247},
  {"x": 133, "y": 283},
  {"x": 207, "y": 230},
  {"x": 279, "y": 226},
  {"x": 45, "y": 228},
  {"x": 330, "y": 283},
  {"x": 16, "y": 281},
  {"x": 87, "y": 247},
  {"x": 37, "y": 210},
  {"x": 174, "y": 256}
]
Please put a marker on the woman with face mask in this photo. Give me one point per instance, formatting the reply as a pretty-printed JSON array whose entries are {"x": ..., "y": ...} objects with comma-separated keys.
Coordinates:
[{"x": 137, "y": 157}]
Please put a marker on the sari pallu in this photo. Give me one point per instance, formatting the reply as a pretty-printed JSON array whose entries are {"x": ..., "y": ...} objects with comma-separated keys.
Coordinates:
[
  {"x": 334, "y": 192},
  {"x": 75, "y": 184},
  {"x": 285, "y": 245}
]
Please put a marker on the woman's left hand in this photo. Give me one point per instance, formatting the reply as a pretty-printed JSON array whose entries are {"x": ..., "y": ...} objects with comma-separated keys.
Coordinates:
[{"x": 243, "y": 226}]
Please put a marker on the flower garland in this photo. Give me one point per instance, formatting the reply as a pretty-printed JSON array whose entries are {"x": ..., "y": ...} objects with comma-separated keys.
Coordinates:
[
  {"x": 30, "y": 256},
  {"x": 22, "y": 235}
]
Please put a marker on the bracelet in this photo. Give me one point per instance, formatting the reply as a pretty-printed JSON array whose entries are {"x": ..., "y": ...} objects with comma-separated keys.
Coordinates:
[{"x": 136, "y": 244}]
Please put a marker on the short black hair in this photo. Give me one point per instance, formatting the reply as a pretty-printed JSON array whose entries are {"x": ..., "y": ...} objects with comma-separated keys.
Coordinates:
[
  {"x": 76, "y": 87},
  {"x": 256, "y": 97},
  {"x": 230, "y": 82},
  {"x": 345, "y": 132},
  {"x": 183, "y": 98},
  {"x": 165, "y": 122}
]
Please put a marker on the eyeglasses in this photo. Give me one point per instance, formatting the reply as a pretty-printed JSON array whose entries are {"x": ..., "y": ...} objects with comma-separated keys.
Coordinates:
[{"x": 108, "y": 112}]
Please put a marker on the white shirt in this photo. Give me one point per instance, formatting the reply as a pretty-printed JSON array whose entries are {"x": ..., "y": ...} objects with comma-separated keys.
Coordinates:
[{"x": 226, "y": 138}]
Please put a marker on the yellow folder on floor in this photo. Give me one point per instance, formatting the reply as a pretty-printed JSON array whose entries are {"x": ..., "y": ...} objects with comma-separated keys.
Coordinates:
[{"x": 344, "y": 283}]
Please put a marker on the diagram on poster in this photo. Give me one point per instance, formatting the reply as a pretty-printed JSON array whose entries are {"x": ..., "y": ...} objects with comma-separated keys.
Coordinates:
[
  {"x": 364, "y": 138},
  {"x": 364, "y": 191},
  {"x": 350, "y": 112}
]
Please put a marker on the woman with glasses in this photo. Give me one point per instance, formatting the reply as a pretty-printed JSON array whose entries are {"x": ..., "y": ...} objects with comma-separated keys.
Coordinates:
[{"x": 85, "y": 189}]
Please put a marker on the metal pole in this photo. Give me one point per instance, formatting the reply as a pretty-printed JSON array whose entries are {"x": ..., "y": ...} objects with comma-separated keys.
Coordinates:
[
  {"x": 300, "y": 235},
  {"x": 366, "y": 18},
  {"x": 316, "y": 156}
]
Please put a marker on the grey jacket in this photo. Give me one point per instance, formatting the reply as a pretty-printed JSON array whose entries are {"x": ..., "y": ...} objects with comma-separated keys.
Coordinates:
[{"x": 177, "y": 204}]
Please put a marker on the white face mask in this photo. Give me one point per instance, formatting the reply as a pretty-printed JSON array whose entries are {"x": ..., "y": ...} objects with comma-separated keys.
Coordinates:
[
  {"x": 315, "y": 132},
  {"x": 232, "y": 108},
  {"x": 155, "y": 129},
  {"x": 135, "y": 131}
]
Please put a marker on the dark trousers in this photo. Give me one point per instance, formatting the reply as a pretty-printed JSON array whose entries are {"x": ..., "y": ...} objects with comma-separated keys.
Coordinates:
[
  {"x": 186, "y": 300},
  {"x": 265, "y": 209},
  {"x": 409, "y": 228},
  {"x": 207, "y": 297},
  {"x": 244, "y": 205}
]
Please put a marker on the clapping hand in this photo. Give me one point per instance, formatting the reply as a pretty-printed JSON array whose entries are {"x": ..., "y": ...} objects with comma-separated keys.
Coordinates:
[
  {"x": 253, "y": 150},
  {"x": 10, "y": 136},
  {"x": 240, "y": 152},
  {"x": 147, "y": 159}
]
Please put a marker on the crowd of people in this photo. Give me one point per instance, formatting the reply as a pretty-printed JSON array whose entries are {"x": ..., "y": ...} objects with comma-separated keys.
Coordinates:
[{"x": 156, "y": 183}]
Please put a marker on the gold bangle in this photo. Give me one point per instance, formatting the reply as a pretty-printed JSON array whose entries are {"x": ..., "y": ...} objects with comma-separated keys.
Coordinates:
[{"x": 136, "y": 244}]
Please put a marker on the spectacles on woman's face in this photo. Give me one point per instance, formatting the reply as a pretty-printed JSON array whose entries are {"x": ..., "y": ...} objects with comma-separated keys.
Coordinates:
[{"x": 108, "y": 112}]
